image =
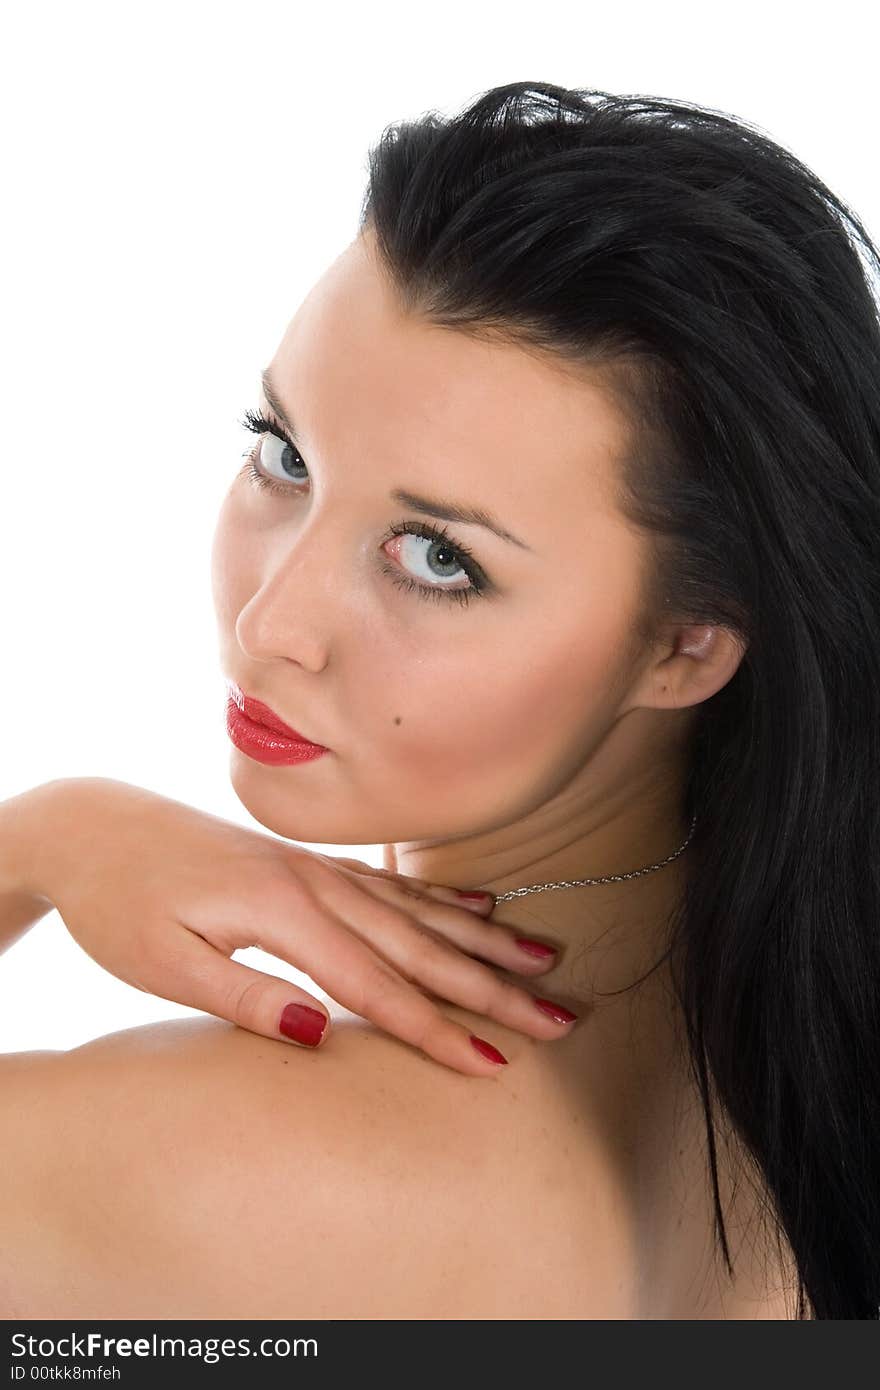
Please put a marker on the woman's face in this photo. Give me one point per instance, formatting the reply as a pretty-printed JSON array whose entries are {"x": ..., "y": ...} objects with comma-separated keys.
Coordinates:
[{"x": 443, "y": 718}]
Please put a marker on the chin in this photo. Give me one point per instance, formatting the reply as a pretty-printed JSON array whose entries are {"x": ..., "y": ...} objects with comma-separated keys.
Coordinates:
[{"x": 284, "y": 802}]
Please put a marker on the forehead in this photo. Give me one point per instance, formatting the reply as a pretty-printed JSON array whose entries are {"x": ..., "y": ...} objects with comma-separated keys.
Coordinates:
[{"x": 494, "y": 422}]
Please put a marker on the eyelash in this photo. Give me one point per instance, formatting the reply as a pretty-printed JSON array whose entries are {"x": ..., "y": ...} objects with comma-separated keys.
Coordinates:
[{"x": 258, "y": 423}]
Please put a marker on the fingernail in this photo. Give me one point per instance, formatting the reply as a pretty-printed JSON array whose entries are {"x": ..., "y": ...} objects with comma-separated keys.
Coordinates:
[
  {"x": 488, "y": 1050},
  {"x": 475, "y": 897},
  {"x": 303, "y": 1024},
  {"x": 556, "y": 1011},
  {"x": 535, "y": 948}
]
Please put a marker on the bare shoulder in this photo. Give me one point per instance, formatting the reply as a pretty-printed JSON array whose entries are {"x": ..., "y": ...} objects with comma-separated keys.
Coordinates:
[{"x": 192, "y": 1169}]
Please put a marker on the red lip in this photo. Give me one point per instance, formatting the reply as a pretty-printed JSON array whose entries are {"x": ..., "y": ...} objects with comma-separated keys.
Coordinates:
[
  {"x": 262, "y": 714},
  {"x": 246, "y": 717}
]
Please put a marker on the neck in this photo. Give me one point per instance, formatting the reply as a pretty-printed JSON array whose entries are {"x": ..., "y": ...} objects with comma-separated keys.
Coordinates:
[
  {"x": 624, "y": 1064},
  {"x": 608, "y": 936}
]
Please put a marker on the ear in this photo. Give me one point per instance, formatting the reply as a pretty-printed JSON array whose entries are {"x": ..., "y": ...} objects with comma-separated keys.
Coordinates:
[{"x": 694, "y": 662}]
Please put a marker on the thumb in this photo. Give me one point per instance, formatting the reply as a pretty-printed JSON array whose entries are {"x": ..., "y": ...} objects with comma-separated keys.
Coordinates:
[{"x": 261, "y": 1003}]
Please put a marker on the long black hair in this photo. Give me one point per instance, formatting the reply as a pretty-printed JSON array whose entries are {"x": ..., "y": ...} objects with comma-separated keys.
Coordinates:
[{"x": 727, "y": 291}]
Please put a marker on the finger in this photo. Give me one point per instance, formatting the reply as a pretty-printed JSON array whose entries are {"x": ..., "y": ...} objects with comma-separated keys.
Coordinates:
[
  {"x": 352, "y": 864},
  {"x": 357, "y": 866},
  {"x": 362, "y": 982},
  {"x": 470, "y": 932},
  {"x": 418, "y": 956},
  {"x": 475, "y": 900},
  {"x": 261, "y": 1003}
]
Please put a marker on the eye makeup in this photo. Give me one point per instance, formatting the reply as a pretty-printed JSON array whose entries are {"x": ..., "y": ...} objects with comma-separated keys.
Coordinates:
[{"x": 440, "y": 540}]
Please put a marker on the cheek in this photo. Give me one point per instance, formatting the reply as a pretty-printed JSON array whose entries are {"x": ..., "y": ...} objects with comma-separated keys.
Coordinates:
[{"x": 488, "y": 734}]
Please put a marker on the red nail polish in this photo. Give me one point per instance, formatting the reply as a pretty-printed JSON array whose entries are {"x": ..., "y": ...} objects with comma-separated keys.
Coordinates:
[
  {"x": 488, "y": 1050},
  {"x": 474, "y": 897},
  {"x": 556, "y": 1011},
  {"x": 303, "y": 1024},
  {"x": 535, "y": 948}
]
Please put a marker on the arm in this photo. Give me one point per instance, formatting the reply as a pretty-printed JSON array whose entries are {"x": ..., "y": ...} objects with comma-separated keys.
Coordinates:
[{"x": 21, "y": 903}]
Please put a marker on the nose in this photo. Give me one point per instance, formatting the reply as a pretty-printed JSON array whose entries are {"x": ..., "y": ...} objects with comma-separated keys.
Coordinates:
[{"x": 305, "y": 591}]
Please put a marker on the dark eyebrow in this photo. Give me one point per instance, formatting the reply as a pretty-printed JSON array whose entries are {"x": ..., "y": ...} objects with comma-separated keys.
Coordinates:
[
  {"x": 443, "y": 511},
  {"x": 451, "y": 511}
]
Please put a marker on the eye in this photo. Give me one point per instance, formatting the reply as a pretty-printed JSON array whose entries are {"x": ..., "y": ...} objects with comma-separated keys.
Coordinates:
[
  {"x": 441, "y": 560},
  {"x": 281, "y": 454},
  {"x": 429, "y": 554},
  {"x": 274, "y": 451}
]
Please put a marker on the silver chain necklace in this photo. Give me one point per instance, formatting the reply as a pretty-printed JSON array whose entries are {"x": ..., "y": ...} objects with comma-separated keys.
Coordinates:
[{"x": 608, "y": 878}]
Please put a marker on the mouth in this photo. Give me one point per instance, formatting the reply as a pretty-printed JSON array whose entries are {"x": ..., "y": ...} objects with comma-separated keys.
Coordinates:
[{"x": 260, "y": 713}]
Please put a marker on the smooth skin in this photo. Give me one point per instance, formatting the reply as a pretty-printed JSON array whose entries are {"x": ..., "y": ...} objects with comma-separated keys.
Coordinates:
[
  {"x": 162, "y": 895},
  {"x": 527, "y": 737}
]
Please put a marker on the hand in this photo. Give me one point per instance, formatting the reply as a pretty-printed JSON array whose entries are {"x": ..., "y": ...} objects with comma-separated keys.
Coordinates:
[{"x": 161, "y": 895}]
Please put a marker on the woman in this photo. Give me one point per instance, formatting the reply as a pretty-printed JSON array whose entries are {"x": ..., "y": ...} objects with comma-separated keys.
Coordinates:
[{"x": 625, "y": 351}]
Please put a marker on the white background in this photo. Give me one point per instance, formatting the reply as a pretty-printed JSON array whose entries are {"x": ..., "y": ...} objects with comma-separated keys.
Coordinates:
[{"x": 175, "y": 178}]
